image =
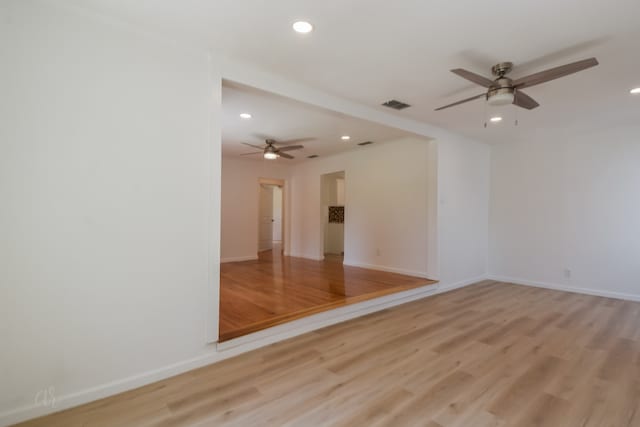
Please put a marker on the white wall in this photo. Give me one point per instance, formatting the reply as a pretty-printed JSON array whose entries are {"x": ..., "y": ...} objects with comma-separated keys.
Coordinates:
[
  {"x": 240, "y": 204},
  {"x": 108, "y": 182},
  {"x": 463, "y": 210},
  {"x": 568, "y": 202},
  {"x": 386, "y": 209}
]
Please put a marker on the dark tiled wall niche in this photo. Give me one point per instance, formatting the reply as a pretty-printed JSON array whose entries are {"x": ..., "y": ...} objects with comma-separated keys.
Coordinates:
[{"x": 336, "y": 214}]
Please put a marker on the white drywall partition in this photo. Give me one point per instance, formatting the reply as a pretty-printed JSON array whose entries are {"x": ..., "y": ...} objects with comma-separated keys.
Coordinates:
[
  {"x": 109, "y": 181},
  {"x": 463, "y": 211}
]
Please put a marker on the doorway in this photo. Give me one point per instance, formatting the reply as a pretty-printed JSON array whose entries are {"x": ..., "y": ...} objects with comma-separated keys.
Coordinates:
[
  {"x": 271, "y": 215},
  {"x": 332, "y": 193}
]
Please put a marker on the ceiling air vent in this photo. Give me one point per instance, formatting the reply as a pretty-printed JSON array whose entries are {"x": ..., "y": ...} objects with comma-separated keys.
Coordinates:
[
  {"x": 313, "y": 156},
  {"x": 365, "y": 143},
  {"x": 396, "y": 105}
]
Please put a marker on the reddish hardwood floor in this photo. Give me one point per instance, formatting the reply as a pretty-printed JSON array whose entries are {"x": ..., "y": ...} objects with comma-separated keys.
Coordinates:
[{"x": 275, "y": 289}]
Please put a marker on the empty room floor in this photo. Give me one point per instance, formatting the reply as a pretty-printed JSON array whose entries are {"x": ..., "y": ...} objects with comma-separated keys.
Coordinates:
[
  {"x": 491, "y": 354},
  {"x": 275, "y": 289}
]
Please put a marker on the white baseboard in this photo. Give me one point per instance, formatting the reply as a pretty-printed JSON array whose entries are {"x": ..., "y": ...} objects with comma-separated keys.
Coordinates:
[
  {"x": 461, "y": 284},
  {"x": 228, "y": 349},
  {"x": 385, "y": 268},
  {"x": 565, "y": 288},
  {"x": 239, "y": 258},
  {"x": 109, "y": 389}
]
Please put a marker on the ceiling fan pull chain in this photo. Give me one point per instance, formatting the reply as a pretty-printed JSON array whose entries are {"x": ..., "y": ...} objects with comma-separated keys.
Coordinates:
[{"x": 485, "y": 115}]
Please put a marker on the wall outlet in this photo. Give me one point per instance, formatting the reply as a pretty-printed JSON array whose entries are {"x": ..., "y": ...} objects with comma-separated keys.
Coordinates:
[{"x": 567, "y": 273}]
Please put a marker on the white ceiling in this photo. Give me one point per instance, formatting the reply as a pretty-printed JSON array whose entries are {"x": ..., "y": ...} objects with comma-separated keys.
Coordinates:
[
  {"x": 281, "y": 118},
  {"x": 370, "y": 51}
]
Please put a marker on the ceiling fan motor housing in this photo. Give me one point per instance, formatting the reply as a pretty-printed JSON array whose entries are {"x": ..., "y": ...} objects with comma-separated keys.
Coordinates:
[{"x": 502, "y": 68}]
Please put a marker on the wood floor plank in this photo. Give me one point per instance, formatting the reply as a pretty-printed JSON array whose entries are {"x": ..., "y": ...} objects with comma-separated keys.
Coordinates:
[{"x": 491, "y": 354}]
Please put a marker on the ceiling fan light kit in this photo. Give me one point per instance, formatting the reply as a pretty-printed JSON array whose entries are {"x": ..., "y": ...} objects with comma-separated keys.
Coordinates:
[
  {"x": 270, "y": 153},
  {"x": 501, "y": 96},
  {"x": 503, "y": 90}
]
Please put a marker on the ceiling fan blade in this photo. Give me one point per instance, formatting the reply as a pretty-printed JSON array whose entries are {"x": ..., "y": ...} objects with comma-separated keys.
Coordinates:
[
  {"x": 249, "y": 154},
  {"x": 293, "y": 141},
  {"x": 554, "y": 73},
  {"x": 285, "y": 155},
  {"x": 482, "y": 95},
  {"x": 254, "y": 146},
  {"x": 523, "y": 100},
  {"x": 290, "y": 147},
  {"x": 476, "y": 78}
]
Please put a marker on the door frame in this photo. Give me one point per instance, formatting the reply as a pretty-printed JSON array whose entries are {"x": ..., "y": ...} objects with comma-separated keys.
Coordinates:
[
  {"x": 323, "y": 212},
  {"x": 280, "y": 183}
]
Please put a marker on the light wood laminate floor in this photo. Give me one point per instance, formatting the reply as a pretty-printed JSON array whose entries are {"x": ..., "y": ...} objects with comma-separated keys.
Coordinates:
[
  {"x": 491, "y": 354},
  {"x": 275, "y": 289}
]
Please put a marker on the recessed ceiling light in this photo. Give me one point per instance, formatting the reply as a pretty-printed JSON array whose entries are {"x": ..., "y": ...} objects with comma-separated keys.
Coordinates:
[
  {"x": 345, "y": 137},
  {"x": 635, "y": 90},
  {"x": 245, "y": 115},
  {"x": 302, "y": 27},
  {"x": 496, "y": 119}
]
